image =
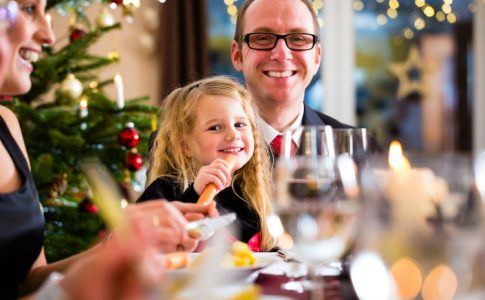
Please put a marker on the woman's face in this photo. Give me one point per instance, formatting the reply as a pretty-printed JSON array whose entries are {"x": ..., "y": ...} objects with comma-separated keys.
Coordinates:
[{"x": 27, "y": 35}]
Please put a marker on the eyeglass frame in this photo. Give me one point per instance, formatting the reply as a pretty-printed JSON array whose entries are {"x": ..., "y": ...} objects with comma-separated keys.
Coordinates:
[
  {"x": 245, "y": 38},
  {"x": 9, "y": 11}
]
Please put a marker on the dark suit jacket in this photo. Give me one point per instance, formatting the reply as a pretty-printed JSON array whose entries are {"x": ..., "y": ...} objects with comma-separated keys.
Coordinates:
[{"x": 313, "y": 117}]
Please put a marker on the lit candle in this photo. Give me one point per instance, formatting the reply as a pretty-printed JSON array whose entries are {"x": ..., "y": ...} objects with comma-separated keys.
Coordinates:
[
  {"x": 83, "y": 108},
  {"x": 413, "y": 192},
  {"x": 120, "y": 100}
]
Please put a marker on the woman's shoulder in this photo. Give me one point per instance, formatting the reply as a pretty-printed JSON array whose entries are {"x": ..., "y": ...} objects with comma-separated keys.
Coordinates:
[
  {"x": 13, "y": 126},
  {"x": 9, "y": 117}
]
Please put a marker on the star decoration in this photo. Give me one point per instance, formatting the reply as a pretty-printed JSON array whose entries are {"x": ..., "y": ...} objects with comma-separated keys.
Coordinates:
[{"x": 410, "y": 75}]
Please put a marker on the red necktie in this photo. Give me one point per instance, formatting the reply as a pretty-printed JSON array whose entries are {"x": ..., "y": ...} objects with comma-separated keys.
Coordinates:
[{"x": 277, "y": 143}]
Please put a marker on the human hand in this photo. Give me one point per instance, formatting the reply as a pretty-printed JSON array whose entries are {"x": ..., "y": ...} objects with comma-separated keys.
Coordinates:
[
  {"x": 217, "y": 172},
  {"x": 194, "y": 212},
  {"x": 125, "y": 269},
  {"x": 166, "y": 221}
]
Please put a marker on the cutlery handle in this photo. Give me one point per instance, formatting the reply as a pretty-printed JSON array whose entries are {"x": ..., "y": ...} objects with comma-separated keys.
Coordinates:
[{"x": 210, "y": 190}]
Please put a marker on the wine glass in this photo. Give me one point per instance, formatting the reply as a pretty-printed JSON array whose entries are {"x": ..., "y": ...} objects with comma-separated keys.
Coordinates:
[
  {"x": 319, "y": 223},
  {"x": 351, "y": 141}
]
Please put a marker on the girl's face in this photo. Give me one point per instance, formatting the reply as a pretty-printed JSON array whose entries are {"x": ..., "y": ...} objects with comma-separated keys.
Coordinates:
[
  {"x": 221, "y": 128},
  {"x": 28, "y": 34}
]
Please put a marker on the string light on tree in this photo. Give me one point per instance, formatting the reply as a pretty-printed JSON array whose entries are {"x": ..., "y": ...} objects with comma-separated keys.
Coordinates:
[{"x": 83, "y": 108}]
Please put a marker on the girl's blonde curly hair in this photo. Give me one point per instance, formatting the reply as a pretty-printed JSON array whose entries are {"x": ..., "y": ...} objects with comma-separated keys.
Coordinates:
[{"x": 177, "y": 119}]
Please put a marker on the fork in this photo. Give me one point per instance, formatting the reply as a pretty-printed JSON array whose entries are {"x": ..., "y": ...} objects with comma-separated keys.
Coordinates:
[{"x": 286, "y": 256}]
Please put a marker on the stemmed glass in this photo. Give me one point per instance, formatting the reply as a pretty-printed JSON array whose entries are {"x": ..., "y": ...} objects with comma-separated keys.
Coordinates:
[
  {"x": 319, "y": 222},
  {"x": 351, "y": 141}
]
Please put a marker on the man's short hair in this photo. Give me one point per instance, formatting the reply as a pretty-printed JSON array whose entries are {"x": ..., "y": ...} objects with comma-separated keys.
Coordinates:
[{"x": 244, "y": 7}]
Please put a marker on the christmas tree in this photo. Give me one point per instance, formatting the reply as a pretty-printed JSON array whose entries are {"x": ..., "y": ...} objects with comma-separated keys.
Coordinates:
[{"x": 80, "y": 122}]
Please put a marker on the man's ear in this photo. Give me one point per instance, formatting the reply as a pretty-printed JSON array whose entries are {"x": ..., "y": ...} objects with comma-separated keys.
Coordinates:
[
  {"x": 318, "y": 56},
  {"x": 236, "y": 55}
]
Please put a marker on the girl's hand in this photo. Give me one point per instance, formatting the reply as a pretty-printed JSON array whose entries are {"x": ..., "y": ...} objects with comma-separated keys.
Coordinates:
[
  {"x": 218, "y": 173},
  {"x": 194, "y": 212}
]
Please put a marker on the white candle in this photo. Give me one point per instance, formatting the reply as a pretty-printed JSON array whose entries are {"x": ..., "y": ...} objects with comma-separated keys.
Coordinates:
[
  {"x": 120, "y": 100},
  {"x": 413, "y": 192},
  {"x": 83, "y": 108}
]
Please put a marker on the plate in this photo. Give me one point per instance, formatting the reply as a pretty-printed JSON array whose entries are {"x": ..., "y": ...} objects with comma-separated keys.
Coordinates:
[{"x": 263, "y": 259}]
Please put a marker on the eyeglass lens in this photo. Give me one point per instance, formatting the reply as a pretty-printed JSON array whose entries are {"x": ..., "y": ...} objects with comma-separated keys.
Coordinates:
[{"x": 294, "y": 41}]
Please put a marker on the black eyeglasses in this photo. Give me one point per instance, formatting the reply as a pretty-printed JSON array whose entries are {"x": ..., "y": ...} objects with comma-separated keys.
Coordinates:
[
  {"x": 267, "y": 41},
  {"x": 8, "y": 14}
]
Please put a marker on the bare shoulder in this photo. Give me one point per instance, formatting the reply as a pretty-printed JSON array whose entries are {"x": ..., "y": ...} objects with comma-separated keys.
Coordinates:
[
  {"x": 14, "y": 127},
  {"x": 9, "y": 117}
]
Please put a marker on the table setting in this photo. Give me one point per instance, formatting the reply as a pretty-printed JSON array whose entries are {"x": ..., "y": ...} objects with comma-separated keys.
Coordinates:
[{"x": 349, "y": 225}]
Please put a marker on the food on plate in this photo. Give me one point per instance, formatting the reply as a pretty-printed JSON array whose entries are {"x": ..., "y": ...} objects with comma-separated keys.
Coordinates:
[
  {"x": 177, "y": 260},
  {"x": 240, "y": 256}
]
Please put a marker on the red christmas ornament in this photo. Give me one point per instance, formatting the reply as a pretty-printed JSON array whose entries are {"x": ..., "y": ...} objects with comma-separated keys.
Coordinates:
[
  {"x": 87, "y": 206},
  {"x": 129, "y": 136},
  {"x": 76, "y": 34},
  {"x": 133, "y": 161},
  {"x": 117, "y": 2}
]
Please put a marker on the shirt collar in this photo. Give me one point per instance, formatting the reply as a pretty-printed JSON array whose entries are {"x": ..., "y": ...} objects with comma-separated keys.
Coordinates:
[{"x": 269, "y": 133}]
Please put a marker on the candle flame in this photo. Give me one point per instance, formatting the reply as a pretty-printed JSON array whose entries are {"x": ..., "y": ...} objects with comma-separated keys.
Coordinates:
[
  {"x": 118, "y": 79},
  {"x": 397, "y": 160}
]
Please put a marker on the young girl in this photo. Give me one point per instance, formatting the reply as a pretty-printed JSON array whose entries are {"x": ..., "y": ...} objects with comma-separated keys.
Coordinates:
[{"x": 200, "y": 125}]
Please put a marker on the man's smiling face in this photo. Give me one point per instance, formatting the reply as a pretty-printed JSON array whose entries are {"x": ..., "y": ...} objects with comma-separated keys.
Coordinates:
[{"x": 279, "y": 75}]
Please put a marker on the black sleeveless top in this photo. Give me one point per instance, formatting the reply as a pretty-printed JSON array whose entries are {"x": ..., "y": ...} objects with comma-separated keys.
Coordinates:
[{"x": 21, "y": 223}]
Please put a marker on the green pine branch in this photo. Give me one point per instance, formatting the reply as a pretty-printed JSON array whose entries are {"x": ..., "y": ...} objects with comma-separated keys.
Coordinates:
[{"x": 55, "y": 67}]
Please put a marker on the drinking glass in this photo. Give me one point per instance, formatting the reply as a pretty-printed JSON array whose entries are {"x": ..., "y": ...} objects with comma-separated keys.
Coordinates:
[
  {"x": 351, "y": 141},
  {"x": 319, "y": 222}
]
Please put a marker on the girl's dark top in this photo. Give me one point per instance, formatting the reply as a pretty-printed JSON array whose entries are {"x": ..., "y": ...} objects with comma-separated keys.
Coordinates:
[
  {"x": 21, "y": 223},
  {"x": 227, "y": 201}
]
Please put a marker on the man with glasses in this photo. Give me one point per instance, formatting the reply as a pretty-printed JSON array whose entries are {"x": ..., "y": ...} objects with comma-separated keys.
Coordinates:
[{"x": 277, "y": 48}]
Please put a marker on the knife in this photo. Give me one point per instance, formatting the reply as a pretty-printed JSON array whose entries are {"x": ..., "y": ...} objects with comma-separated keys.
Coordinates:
[{"x": 205, "y": 228}]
